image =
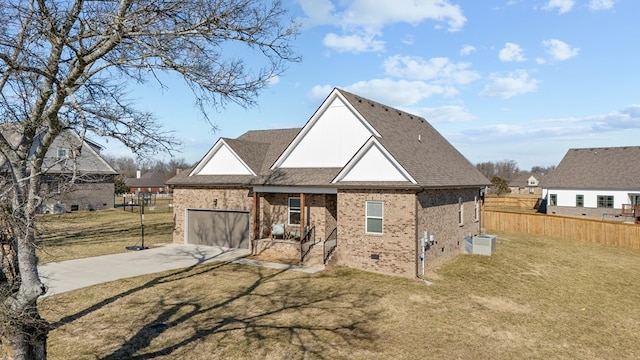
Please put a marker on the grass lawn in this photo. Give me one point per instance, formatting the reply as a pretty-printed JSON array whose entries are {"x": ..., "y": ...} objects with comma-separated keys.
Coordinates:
[
  {"x": 536, "y": 298},
  {"x": 84, "y": 234}
]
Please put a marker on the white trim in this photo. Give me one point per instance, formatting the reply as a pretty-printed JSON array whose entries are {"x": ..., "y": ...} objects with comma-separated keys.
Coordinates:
[
  {"x": 314, "y": 119},
  {"x": 366, "y": 217},
  {"x": 294, "y": 190},
  {"x": 289, "y": 210},
  {"x": 212, "y": 152},
  {"x": 372, "y": 142}
]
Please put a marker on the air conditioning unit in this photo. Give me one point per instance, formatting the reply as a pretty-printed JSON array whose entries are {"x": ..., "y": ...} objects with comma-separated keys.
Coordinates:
[{"x": 480, "y": 245}]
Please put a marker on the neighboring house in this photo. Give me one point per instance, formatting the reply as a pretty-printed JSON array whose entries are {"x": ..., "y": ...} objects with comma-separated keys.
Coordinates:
[
  {"x": 527, "y": 183},
  {"x": 70, "y": 158},
  {"x": 149, "y": 182},
  {"x": 366, "y": 177},
  {"x": 596, "y": 182}
]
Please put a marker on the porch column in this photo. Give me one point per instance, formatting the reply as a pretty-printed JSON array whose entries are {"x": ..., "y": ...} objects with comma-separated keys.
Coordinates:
[
  {"x": 302, "y": 217},
  {"x": 255, "y": 216}
]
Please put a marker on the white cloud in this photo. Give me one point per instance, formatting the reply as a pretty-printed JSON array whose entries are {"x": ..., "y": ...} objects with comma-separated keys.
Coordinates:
[
  {"x": 513, "y": 84},
  {"x": 399, "y": 93},
  {"x": 371, "y": 16},
  {"x": 466, "y": 50},
  {"x": 563, "y": 6},
  {"x": 600, "y": 4},
  {"x": 626, "y": 119},
  {"x": 408, "y": 40},
  {"x": 572, "y": 128},
  {"x": 440, "y": 70},
  {"x": 511, "y": 52},
  {"x": 444, "y": 114},
  {"x": 319, "y": 12},
  {"x": 274, "y": 80},
  {"x": 318, "y": 93},
  {"x": 544, "y": 142},
  {"x": 352, "y": 43},
  {"x": 559, "y": 50}
]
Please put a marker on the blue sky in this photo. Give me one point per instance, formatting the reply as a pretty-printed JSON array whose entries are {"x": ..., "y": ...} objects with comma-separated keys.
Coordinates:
[{"x": 521, "y": 80}]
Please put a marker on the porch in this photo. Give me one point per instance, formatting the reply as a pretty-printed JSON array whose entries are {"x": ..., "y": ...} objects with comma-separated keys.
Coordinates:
[
  {"x": 631, "y": 210},
  {"x": 294, "y": 225}
]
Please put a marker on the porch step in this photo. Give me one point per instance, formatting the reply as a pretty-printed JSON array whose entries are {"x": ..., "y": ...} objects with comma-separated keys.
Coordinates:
[{"x": 315, "y": 257}]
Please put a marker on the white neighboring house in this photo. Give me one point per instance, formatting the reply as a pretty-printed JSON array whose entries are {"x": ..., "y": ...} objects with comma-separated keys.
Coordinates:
[{"x": 596, "y": 182}]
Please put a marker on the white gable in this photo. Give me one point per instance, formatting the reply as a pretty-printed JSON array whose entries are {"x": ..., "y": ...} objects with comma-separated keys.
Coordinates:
[
  {"x": 373, "y": 163},
  {"x": 222, "y": 160},
  {"x": 332, "y": 136}
]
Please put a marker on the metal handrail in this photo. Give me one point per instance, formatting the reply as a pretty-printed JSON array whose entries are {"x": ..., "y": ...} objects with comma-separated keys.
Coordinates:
[
  {"x": 330, "y": 244},
  {"x": 307, "y": 242}
]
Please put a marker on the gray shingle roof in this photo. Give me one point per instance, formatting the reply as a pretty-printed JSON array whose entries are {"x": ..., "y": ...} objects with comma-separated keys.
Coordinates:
[
  {"x": 431, "y": 160},
  {"x": 614, "y": 168},
  {"x": 259, "y": 149},
  {"x": 148, "y": 179},
  {"x": 87, "y": 160}
]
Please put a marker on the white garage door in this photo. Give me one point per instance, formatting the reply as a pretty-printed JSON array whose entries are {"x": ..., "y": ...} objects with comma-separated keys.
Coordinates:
[{"x": 218, "y": 228}]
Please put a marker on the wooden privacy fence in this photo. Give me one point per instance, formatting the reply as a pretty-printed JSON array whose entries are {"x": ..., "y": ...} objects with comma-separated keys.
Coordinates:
[
  {"x": 588, "y": 230},
  {"x": 523, "y": 203}
]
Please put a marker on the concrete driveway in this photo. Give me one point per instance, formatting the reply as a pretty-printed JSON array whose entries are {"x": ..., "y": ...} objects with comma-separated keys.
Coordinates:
[{"x": 74, "y": 274}]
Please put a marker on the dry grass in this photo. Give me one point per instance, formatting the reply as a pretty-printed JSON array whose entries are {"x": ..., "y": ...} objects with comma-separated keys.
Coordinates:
[
  {"x": 536, "y": 298},
  {"x": 84, "y": 234}
]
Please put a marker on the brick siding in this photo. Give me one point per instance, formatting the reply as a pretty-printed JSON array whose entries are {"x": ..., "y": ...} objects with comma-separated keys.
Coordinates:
[
  {"x": 83, "y": 196},
  {"x": 395, "y": 248},
  {"x": 319, "y": 213},
  {"x": 438, "y": 214},
  {"x": 215, "y": 198},
  {"x": 395, "y": 252}
]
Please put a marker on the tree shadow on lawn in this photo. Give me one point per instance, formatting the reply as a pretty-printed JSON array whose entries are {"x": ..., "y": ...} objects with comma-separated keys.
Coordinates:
[
  {"x": 199, "y": 257},
  {"x": 269, "y": 309}
]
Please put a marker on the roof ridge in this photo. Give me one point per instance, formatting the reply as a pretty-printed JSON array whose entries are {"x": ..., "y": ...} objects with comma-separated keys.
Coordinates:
[{"x": 374, "y": 103}]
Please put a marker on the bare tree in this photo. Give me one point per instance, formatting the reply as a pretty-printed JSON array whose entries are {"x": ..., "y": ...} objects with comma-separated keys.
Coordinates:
[
  {"x": 65, "y": 65},
  {"x": 124, "y": 165},
  {"x": 542, "y": 169},
  {"x": 506, "y": 169}
]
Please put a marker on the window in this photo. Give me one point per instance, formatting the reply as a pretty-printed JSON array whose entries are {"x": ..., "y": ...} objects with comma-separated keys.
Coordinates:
[
  {"x": 579, "y": 200},
  {"x": 63, "y": 154},
  {"x": 374, "y": 213},
  {"x": 294, "y": 211},
  {"x": 605, "y": 201},
  {"x": 460, "y": 212},
  {"x": 553, "y": 199},
  {"x": 532, "y": 190},
  {"x": 53, "y": 186}
]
